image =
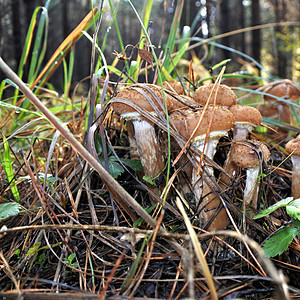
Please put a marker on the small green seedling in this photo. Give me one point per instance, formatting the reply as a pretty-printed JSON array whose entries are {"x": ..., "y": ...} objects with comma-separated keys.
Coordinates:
[
  {"x": 34, "y": 252},
  {"x": 278, "y": 242},
  {"x": 69, "y": 261}
]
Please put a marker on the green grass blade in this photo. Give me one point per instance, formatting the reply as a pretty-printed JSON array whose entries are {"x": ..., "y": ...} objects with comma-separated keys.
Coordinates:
[
  {"x": 172, "y": 36},
  {"x": 40, "y": 46},
  {"x": 27, "y": 46},
  {"x": 113, "y": 20},
  {"x": 28, "y": 41},
  {"x": 214, "y": 44},
  {"x": 18, "y": 109},
  {"x": 147, "y": 11},
  {"x": 68, "y": 72},
  {"x": 6, "y": 163}
]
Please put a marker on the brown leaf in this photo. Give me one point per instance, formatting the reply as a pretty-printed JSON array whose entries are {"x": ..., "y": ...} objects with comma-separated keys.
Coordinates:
[{"x": 146, "y": 55}]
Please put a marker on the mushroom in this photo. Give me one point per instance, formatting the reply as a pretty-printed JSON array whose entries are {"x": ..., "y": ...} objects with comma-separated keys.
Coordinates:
[
  {"x": 225, "y": 96},
  {"x": 293, "y": 148},
  {"x": 186, "y": 123},
  {"x": 174, "y": 86},
  {"x": 148, "y": 98},
  {"x": 246, "y": 118},
  {"x": 249, "y": 155},
  {"x": 287, "y": 90}
]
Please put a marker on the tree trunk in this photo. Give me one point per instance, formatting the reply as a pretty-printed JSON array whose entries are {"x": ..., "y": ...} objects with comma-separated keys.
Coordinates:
[
  {"x": 256, "y": 37},
  {"x": 241, "y": 24},
  {"x": 225, "y": 26},
  {"x": 17, "y": 35},
  {"x": 280, "y": 11}
]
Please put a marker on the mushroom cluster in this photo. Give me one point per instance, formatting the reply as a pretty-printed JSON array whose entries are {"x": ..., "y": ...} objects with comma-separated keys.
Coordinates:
[{"x": 202, "y": 120}]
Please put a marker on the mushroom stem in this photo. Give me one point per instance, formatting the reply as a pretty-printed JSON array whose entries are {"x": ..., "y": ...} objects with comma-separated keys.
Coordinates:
[
  {"x": 132, "y": 141},
  {"x": 296, "y": 177},
  {"x": 202, "y": 187},
  {"x": 249, "y": 155},
  {"x": 293, "y": 148},
  {"x": 251, "y": 188},
  {"x": 148, "y": 148}
]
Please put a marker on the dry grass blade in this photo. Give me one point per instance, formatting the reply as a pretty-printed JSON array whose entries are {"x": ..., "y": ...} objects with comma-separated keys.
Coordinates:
[{"x": 198, "y": 251}]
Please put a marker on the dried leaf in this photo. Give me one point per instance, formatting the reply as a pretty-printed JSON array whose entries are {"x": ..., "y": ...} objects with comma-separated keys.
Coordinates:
[{"x": 146, "y": 55}]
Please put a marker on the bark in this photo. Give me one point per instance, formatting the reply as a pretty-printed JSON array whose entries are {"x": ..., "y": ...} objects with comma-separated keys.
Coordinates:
[
  {"x": 17, "y": 35},
  {"x": 256, "y": 35}
]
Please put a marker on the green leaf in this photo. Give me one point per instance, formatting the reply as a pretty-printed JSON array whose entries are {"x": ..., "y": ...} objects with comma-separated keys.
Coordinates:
[
  {"x": 280, "y": 241},
  {"x": 8, "y": 210},
  {"x": 41, "y": 176},
  {"x": 71, "y": 257},
  {"x": 293, "y": 209},
  {"x": 134, "y": 164},
  {"x": 40, "y": 259},
  {"x": 149, "y": 180},
  {"x": 8, "y": 170},
  {"x": 99, "y": 145},
  {"x": 269, "y": 210},
  {"x": 17, "y": 252},
  {"x": 115, "y": 169},
  {"x": 34, "y": 249}
]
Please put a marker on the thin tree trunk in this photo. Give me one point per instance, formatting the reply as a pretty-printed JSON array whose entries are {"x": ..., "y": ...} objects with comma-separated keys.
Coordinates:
[
  {"x": 17, "y": 35},
  {"x": 280, "y": 11},
  {"x": 256, "y": 36},
  {"x": 225, "y": 26}
]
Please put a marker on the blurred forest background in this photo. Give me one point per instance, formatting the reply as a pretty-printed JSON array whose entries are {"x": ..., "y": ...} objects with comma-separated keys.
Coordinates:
[{"x": 275, "y": 47}]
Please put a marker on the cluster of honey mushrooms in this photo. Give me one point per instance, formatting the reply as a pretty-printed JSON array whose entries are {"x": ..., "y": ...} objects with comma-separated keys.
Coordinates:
[{"x": 196, "y": 124}]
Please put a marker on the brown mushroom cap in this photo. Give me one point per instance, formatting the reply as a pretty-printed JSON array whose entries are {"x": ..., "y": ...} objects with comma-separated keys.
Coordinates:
[
  {"x": 249, "y": 154},
  {"x": 179, "y": 118},
  {"x": 285, "y": 89},
  {"x": 131, "y": 93},
  {"x": 183, "y": 102},
  {"x": 293, "y": 146},
  {"x": 225, "y": 97},
  {"x": 187, "y": 120},
  {"x": 174, "y": 86},
  {"x": 246, "y": 114}
]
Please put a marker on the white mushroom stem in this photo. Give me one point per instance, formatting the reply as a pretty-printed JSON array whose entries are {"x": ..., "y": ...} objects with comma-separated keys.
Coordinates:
[
  {"x": 148, "y": 148},
  {"x": 209, "y": 151},
  {"x": 252, "y": 185},
  {"x": 241, "y": 130},
  {"x": 248, "y": 155},
  {"x": 296, "y": 177}
]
